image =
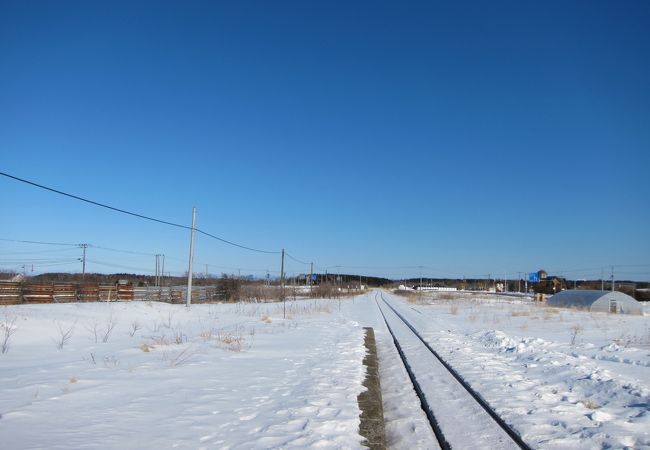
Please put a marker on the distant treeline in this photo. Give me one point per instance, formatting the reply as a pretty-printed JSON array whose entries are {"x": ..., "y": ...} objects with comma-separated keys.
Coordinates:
[{"x": 203, "y": 280}]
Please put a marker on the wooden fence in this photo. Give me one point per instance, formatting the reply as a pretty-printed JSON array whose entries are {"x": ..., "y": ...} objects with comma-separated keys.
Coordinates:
[{"x": 12, "y": 293}]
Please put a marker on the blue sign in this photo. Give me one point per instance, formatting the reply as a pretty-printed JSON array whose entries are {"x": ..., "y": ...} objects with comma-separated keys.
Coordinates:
[
  {"x": 313, "y": 277},
  {"x": 533, "y": 277}
]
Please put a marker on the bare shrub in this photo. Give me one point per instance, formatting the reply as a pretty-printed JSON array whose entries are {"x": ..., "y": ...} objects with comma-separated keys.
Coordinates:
[
  {"x": 265, "y": 318},
  {"x": 259, "y": 293},
  {"x": 135, "y": 326},
  {"x": 326, "y": 290},
  {"x": 207, "y": 334},
  {"x": 110, "y": 325},
  {"x": 92, "y": 358},
  {"x": 575, "y": 331},
  {"x": 111, "y": 361},
  {"x": 170, "y": 318},
  {"x": 65, "y": 334},
  {"x": 178, "y": 337},
  {"x": 182, "y": 357},
  {"x": 405, "y": 293},
  {"x": 93, "y": 327},
  {"x": 7, "y": 329},
  {"x": 229, "y": 288}
]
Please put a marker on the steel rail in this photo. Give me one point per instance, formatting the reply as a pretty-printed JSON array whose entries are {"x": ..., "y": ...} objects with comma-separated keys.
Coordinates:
[
  {"x": 475, "y": 395},
  {"x": 424, "y": 404}
]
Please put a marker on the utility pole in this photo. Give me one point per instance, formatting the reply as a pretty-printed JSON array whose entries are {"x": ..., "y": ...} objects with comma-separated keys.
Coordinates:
[
  {"x": 311, "y": 276},
  {"x": 284, "y": 306},
  {"x": 156, "y": 270},
  {"x": 188, "y": 300},
  {"x": 206, "y": 271},
  {"x": 612, "y": 278},
  {"x": 163, "y": 270},
  {"x": 518, "y": 281},
  {"x": 83, "y": 260},
  {"x": 602, "y": 279}
]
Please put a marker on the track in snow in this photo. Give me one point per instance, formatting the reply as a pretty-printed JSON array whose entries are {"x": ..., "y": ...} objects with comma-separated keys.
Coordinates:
[{"x": 459, "y": 416}]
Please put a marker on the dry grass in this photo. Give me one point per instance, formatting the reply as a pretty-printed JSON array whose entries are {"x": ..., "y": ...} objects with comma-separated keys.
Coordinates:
[
  {"x": 259, "y": 293},
  {"x": 235, "y": 340},
  {"x": 145, "y": 347},
  {"x": 304, "y": 308},
  {"x": 591, "y": 404}
]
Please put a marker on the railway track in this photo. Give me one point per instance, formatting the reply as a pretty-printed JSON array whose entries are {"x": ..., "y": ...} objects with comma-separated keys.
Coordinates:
[{"x": 459, "y": 416}]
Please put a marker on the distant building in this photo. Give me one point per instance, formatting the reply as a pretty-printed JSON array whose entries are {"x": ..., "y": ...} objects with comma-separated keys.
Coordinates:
[{"x": 596, "y": 301}]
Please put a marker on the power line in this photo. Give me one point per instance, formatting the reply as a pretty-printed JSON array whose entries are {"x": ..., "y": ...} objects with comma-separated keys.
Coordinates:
[
  {"x": 118, "y": 266},
  {"x": 121, "y": 251},
  {"x": 76, "y": 197},
  {"x": 141, "y": 216},
  {"x": 37, "y": 242},
  {"x": 32, "y": 252},
  {"x": 36, "y": 260},
  {"x": 296, "y": 259},
  {"x": 235, "y": 244}
]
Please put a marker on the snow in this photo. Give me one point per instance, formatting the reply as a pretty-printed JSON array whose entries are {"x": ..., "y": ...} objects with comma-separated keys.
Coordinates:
[
  {"x": 562, "y": 378},
  {"x": 242, "y": 376},
  {"x": 213, "y": 376}
]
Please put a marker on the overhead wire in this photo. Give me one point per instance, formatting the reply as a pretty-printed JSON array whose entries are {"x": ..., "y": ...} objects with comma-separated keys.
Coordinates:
[
  {"x": 32, "y": 252},
  {"x": 141, "y": 216},
  {"x": 226, "y": 241},
  {"x": 37, "y": 242},
  {"x": 118, "y": 266},
  {"x": 295, "y": 259}
]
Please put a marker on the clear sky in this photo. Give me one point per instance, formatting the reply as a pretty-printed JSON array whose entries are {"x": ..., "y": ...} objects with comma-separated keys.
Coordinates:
[{"x": 470, "y": 138}]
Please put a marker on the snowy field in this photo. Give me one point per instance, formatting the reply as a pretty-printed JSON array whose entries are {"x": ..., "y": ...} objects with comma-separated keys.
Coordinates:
[
  {"x": 563, "y": 378},
  {"x": 153, "y": 375},
  {"x": 213, "y": 376}
]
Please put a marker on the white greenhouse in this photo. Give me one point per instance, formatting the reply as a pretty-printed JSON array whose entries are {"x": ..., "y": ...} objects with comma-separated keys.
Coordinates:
[{"x": 596, "y": 301}]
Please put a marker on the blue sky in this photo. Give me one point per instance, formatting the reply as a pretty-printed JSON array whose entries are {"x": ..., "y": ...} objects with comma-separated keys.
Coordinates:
[{"x": 470, "y": 138}]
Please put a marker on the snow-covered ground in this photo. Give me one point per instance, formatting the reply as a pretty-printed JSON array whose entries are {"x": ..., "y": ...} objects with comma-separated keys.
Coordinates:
[
  {"x": 563, "y": 378},
  {"x": 242, "y": 376},
  {"x": 213, "y": 376}
]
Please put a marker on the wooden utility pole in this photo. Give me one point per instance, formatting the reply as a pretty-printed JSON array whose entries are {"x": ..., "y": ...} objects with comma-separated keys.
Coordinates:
[
  {"x": 162, "y": 271},
  {"x": 188, "y": 300},
  {"x": 83, "y": 260},
  {"x": 156, "y": 271}
]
